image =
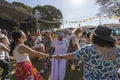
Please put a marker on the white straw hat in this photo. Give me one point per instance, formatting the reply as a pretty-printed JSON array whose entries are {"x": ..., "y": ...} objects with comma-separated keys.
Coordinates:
[{"x": 2, "y": 36}]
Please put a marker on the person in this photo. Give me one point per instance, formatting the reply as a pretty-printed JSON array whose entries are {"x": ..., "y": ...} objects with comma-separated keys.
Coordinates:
[
  {"x": 7, "y": 57},
  {"x": 68, "y": 36},
  {"x": 59, "y": 66},
  {"x": 75, "y": 38},
  {"x": 47, "y": 41},
  {"x": 83, "y": 39},
  {"x": 38, "y": 43},
  {"x": 53, "y": 35},
  {"x": 73, "y": 46},
  {"x": 3, "y": 63},
  {"x": 88, "y": 37},
  {"x": 24, "y": 68},
  {"x": 30, "y": 40},
  {"x": 101, "y": 58}
]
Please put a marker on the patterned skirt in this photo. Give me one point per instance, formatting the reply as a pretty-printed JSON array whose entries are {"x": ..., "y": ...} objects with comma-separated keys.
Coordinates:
[{"x": 26, "y": 71}]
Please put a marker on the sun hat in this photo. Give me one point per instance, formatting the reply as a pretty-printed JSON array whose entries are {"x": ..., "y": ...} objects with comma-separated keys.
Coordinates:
[
  {"x": 4, "y": 31},
  {"x": 104, "y": 32},
  {"x": 2, "y": 36}
]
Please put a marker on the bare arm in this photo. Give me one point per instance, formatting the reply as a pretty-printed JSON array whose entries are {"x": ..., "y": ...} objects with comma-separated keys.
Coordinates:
[
  {"x": 5, "y": 48},
  {"x": 68, "y": 56},
  {"x": 25, "y": 49}
]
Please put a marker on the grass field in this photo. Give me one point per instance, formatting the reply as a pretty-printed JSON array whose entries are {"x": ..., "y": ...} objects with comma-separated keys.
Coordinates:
[{"x": 70, "y": 74}]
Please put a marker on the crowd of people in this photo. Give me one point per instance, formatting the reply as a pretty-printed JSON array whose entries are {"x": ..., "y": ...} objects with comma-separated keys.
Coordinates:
[{"x": 98, "y": 50}]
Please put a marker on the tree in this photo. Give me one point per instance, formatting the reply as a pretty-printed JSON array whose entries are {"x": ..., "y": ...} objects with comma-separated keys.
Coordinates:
[
  {"x": 27, "y": 26},
  {"x": 49, "y": 13},
  {"x": 8, "y": 25},
  {"x": 23, "y": 6},
  {"x": 110, "y": 7}
]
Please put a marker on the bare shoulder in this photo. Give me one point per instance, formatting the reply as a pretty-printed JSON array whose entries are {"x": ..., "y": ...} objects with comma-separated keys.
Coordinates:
[{"x": 22, "y": 48}]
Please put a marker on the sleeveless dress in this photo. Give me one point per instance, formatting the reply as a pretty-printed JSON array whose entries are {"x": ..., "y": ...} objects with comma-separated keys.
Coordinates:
[{"x": 24, "y": 68}]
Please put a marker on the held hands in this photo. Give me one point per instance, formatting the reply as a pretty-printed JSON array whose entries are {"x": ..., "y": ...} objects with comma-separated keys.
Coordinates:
[{"x": 56, "y": 56}]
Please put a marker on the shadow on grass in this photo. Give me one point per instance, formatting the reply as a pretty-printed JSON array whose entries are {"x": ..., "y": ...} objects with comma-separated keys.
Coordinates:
[{"x": 70, "y": 74}]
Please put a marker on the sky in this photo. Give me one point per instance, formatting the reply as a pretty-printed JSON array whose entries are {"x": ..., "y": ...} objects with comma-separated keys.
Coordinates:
[{"x": 72, "y": 10}]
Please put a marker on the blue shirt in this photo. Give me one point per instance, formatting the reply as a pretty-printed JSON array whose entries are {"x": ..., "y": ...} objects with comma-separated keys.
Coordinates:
[{"x": 95, "y": 67}]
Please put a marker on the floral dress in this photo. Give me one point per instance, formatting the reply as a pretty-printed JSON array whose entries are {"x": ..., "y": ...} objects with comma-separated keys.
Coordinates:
[{"x": 95, "y": 66}]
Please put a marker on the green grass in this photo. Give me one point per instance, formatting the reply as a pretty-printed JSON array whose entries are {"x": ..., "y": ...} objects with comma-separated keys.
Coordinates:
[{"x": 70, "y": 74}]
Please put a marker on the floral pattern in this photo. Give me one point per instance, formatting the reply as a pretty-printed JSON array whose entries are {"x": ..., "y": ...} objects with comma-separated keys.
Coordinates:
[
  {"x": 95, "y": 67},
  {"x": 26, "y": 71}
]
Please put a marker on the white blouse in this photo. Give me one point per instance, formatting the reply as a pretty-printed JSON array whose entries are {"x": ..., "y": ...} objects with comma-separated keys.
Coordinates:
[
  {"x": 2, "y": 53},
  {"x": 20, "y": 57}
]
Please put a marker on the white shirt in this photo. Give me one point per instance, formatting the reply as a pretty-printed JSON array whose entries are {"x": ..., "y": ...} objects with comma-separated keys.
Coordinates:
[
  {"x": 8, "y": 42},
  {"x": 68, "y": 37},
  {"x": 74, "y": 38},
  {"x": 60, "y": 45},
  {"x": 38, "y": 39},
  {"x": 2, "y": 53},
  {"x": 37, "y": 42},
  {"x": 20, "y": 57}
]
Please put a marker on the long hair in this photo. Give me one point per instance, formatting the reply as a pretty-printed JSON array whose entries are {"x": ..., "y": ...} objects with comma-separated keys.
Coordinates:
[
  {"x": 77, "y": 30},
  {"x": 15, "y": 36}
]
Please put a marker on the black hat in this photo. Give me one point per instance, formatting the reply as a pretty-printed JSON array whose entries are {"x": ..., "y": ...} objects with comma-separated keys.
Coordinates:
[{"x": 103, "y": 32}]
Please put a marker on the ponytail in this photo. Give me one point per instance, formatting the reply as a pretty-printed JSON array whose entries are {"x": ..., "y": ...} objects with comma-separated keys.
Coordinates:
[
  {"x": 15, "y": 36},
  {"x": 13, "y": 44}
]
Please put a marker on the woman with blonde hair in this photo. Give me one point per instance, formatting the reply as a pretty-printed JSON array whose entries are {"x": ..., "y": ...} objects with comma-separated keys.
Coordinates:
[
  {"x": 74, "y": 45},
  {"x": 74, "y": 42}
]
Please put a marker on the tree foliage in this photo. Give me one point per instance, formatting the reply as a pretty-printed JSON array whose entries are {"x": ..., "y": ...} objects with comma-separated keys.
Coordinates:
[
  {"x": 8, "y": 25},
  {"x": 49, "y": 13},
  {"x": 109, "y": 7},
  {"x": 23, "y": 6}
]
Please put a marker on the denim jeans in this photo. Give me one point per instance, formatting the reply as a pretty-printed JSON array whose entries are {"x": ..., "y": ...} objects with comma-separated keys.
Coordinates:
[{"x": 6, "y": 67}]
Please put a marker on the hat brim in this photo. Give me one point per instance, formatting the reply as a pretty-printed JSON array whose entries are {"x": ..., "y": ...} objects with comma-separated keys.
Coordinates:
[{"x": 107, "y": 38}]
